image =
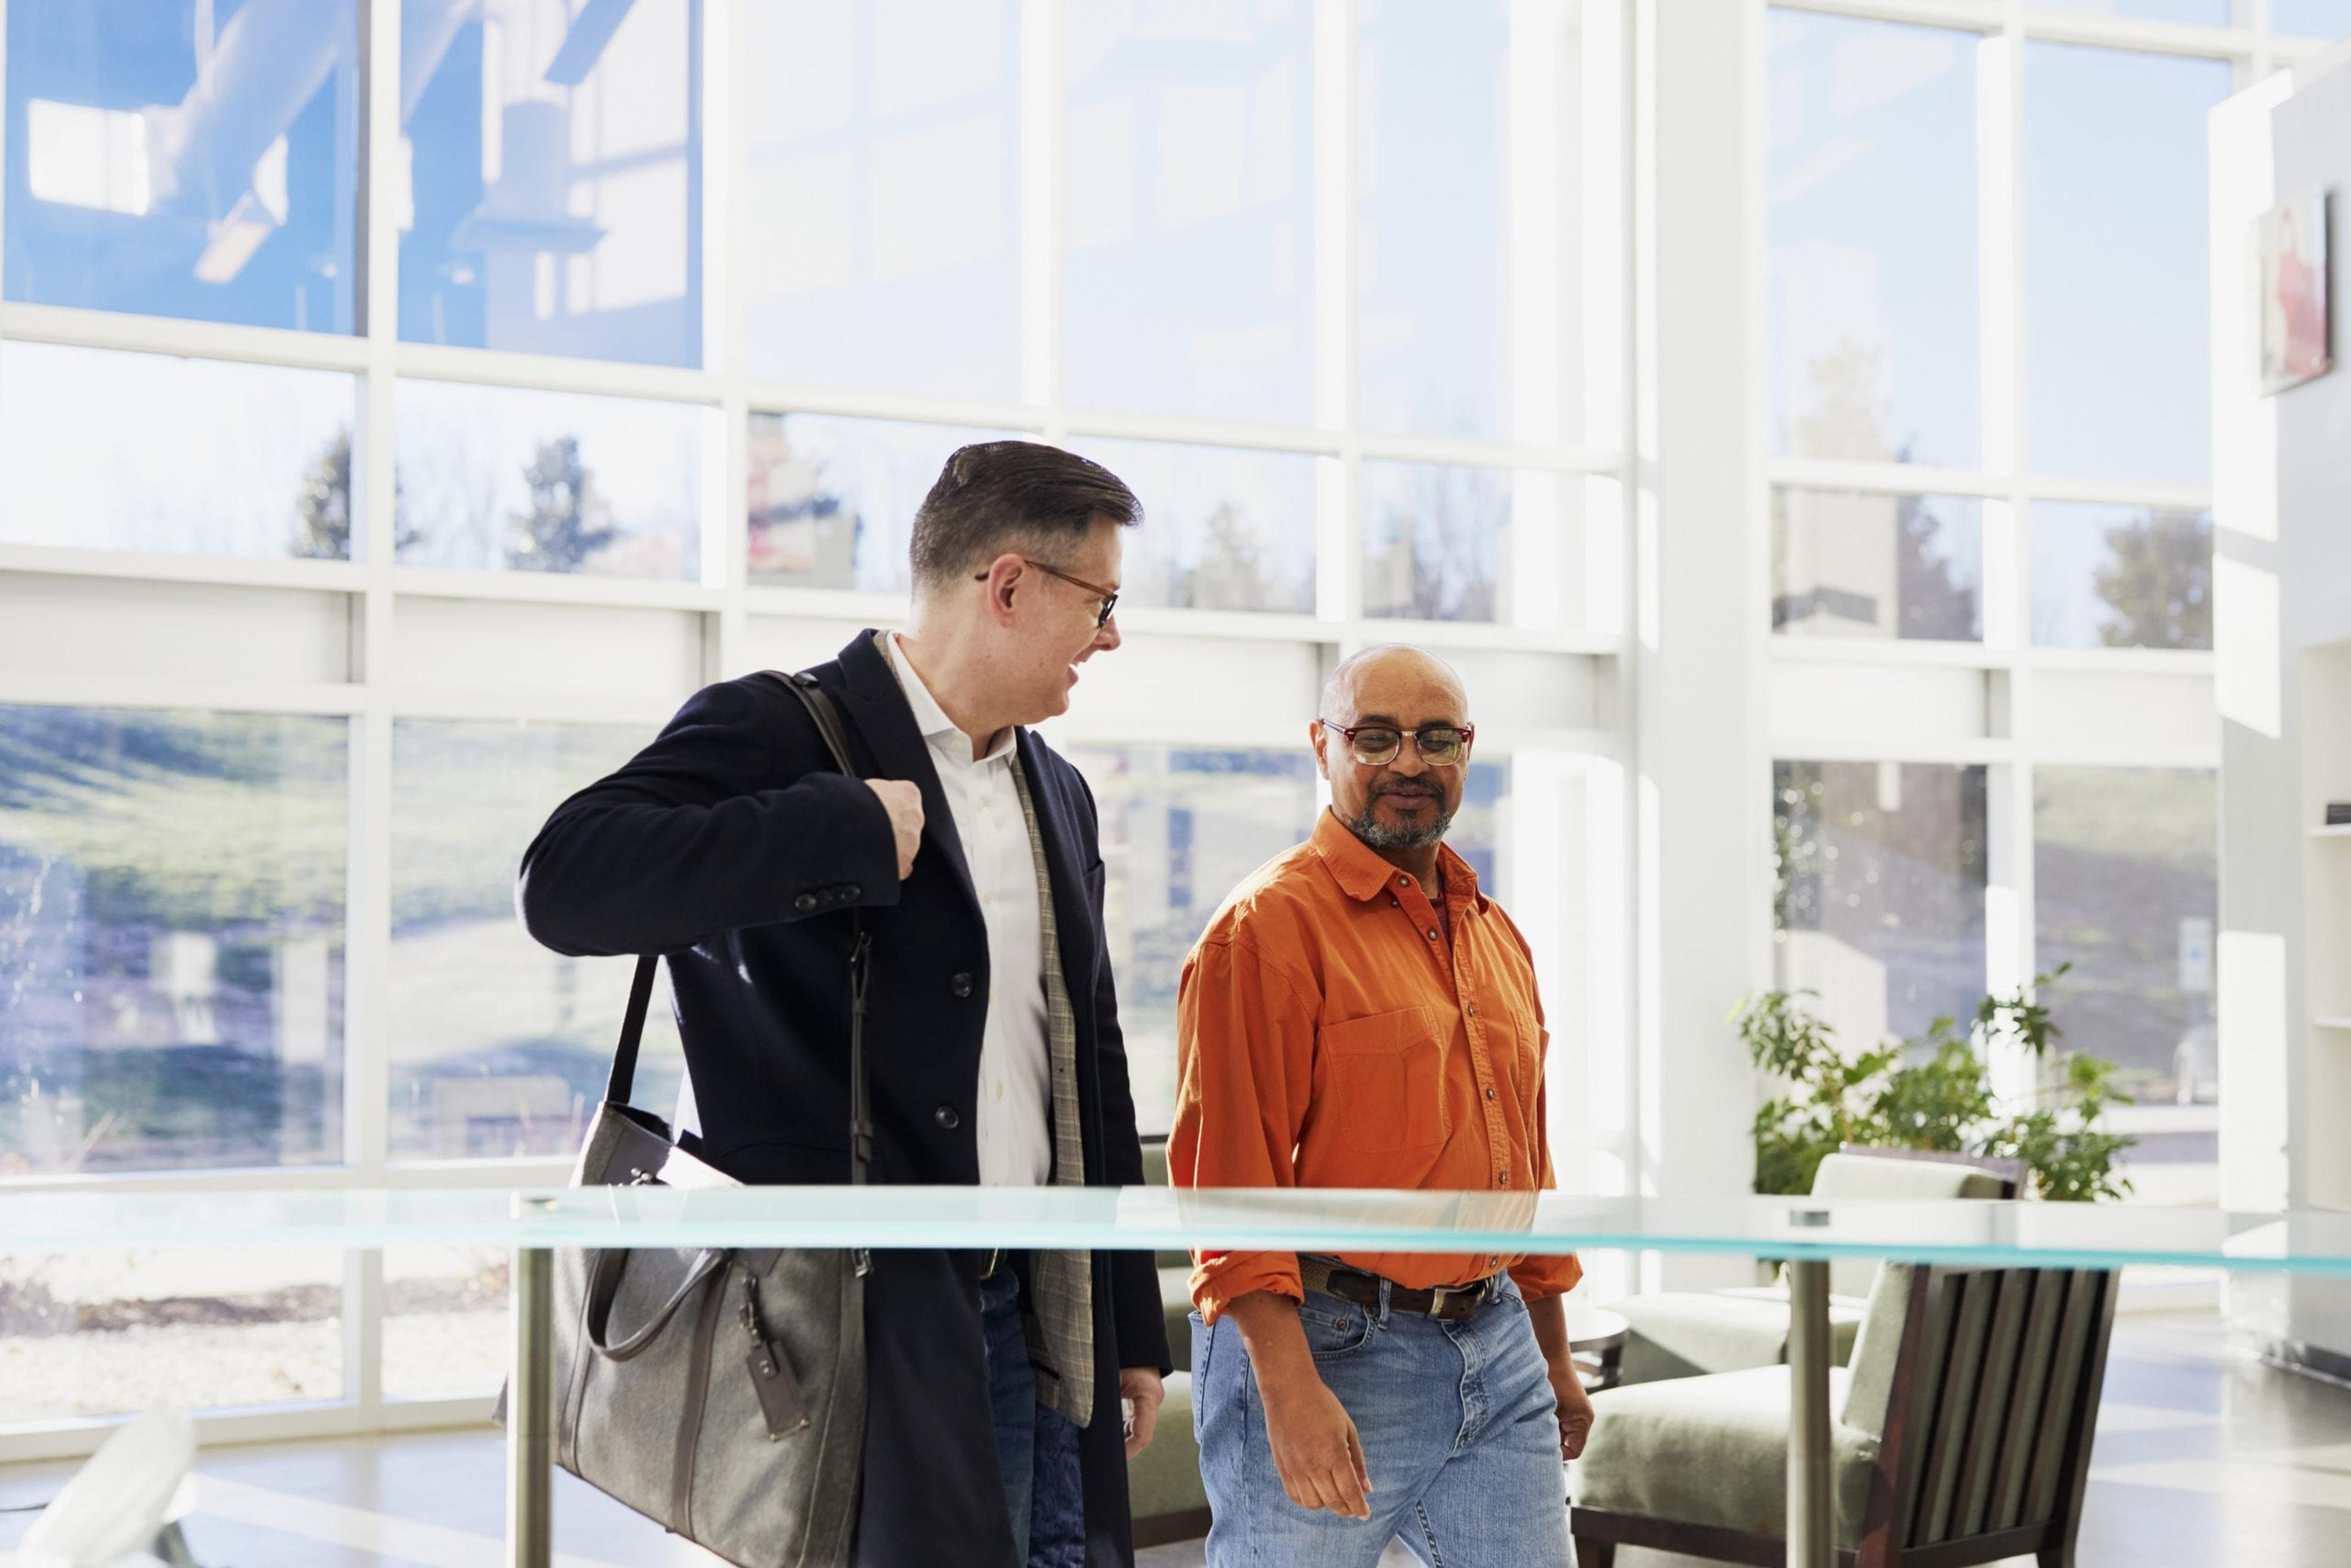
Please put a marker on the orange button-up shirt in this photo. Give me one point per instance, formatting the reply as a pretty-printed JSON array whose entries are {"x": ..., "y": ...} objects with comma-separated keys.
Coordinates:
[{"x": 1330, "y": 1035}]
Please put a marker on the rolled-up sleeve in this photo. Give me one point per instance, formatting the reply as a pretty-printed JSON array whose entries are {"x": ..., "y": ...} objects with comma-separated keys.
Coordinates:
[
  {"x": 1244, "y": 1034},
  {"x": 1555, "y": 1274}
]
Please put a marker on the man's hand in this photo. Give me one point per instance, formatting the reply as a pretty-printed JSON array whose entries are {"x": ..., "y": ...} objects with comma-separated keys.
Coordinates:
[
  {"x": 1142, "y": 1389},
  {"x": 1574, "y": 1413},
  {"x": 1549, "y": 1317},
  {"x": 904, "y": 801},
  {"x": 1316, "y": 1449}
]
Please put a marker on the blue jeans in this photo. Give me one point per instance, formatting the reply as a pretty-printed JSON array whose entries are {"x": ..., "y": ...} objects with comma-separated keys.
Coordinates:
[
  {"x": 1036, "y": 1448},
  {"x": 1460, "y": 1434}
]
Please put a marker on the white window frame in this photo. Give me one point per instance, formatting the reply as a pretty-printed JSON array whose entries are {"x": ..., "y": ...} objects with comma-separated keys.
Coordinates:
[
  {"x": 2015, "y": 669},
  {"x": 373, "y": 697}
]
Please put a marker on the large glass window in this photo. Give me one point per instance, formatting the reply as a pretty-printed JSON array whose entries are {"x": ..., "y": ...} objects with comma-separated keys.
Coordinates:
[
  {"x": 2323, "y": 18},
  {"x": 2121, "y": 577},
  {"x": 881, "y": 220},
  {"x": 1180, "y": 828},
  {"x": 493, "y": 479},
  {"x": 101, "y": 449},
  {"x": 1878, "y": 900},
  {"x": 2126, "y": 872},
  {"x": 1223, "y": 529},
  {"x": 1434, "y": 537},
  {"x": 191, "y": 160},
  {"x": 552, "y": 151},
  {"x": 1872, "y": 317},
  {"x": 2116, "y": 263},
  {"x": 1188, "y": 150},
  {"x": 1854, "y": 563},
  {"x": 832, "y": 501},
  {"x": 172, "y": 909},
  {"x": 499, "y": 1047},
  {"x": 1433, "y": 331},
  {"x": 88, "y": 1335}
]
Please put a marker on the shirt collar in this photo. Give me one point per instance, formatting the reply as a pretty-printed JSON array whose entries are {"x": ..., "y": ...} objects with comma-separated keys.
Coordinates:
[
  {"x": 930, "y": 718},
  {"x": 1361, "y": 874}
]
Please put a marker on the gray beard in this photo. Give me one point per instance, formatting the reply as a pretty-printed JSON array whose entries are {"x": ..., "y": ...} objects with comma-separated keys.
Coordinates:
[{"x": 1368, "y": 827}]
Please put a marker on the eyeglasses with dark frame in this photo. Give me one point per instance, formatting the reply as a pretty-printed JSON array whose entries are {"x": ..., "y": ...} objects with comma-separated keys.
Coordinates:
[
  {"x": 1109, "y": 595},
  {"x": 1377, "y": 745}
]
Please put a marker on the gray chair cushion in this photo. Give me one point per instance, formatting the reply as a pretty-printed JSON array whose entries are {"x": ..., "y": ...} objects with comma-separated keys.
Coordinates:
[
  {"x": 1166, "y": 1477},
  {"x": 1870, "y": 1175},
  {"x": 1687, "y": 1333},
  {"x": 1714, "y": 1450}
]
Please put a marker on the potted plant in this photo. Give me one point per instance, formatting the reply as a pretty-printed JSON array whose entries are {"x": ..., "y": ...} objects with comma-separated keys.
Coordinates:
[{"x": 1934, "y": 1092}]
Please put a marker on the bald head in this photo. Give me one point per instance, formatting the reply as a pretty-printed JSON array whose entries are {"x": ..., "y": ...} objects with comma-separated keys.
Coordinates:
[{"x": 1385, "y": 680}]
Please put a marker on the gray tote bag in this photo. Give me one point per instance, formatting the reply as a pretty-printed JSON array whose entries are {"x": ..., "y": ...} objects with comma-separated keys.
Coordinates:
[{"x": 721, "y": 1392}]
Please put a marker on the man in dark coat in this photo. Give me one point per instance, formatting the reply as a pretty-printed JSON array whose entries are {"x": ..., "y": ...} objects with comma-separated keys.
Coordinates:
[{"x": 733, "y": 846}]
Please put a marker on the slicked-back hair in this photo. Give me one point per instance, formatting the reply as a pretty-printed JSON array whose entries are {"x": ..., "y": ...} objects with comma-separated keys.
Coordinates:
[{"x": 999, "y": 495}]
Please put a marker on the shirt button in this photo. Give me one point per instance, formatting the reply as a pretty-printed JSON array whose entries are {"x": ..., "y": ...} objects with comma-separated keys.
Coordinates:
[
  {"x": 946, "y": 1117},
  {"x": 1489, "y": 1094},
  {"x": 1504, "y": 1178},
  {"x": 1473, "y": 1009},
  {"x": 960, "y": 985},
  {"x": 1432, "y": 934}
]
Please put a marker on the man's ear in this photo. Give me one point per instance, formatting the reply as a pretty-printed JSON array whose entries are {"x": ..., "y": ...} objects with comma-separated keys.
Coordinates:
[
  {"x": 1004, "y": 576},
  {"x": 1316, "y": 735}
]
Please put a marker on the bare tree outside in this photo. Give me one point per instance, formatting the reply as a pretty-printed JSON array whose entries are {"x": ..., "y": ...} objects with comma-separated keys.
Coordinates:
[
  {"x": 2157, "y": 581},
  {"x": 568, "y": 522}
]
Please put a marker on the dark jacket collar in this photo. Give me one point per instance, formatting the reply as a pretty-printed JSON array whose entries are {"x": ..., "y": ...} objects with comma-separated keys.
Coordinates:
[{"x": 878, "y": 706}]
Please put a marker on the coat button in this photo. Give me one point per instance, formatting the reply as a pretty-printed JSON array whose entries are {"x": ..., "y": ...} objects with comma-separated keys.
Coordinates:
[
  {"x": 804, "y": 902},
  {"x": 849, "y": 890},
  {"x": 946, "y": 1117},
  {"x": 960, "y": 985}
]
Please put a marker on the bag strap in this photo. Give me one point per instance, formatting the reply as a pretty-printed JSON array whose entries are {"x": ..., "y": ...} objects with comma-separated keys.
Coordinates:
[
  {"x": 821, "y": 708},
  {"x": 622, "y": 1078}
]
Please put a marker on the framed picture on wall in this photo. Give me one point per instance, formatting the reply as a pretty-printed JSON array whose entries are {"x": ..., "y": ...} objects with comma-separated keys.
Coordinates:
[{"x": 2290, "y": 251}]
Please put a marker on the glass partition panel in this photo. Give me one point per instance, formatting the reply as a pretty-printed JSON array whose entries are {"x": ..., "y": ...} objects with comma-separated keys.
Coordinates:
[
  {"x": 446, "y": 1321},
  {"x": 881, "y": 228},
  {"x": 109, "y": 1332},
  {"x": 832, "y": 500},
  {"x": 1180, "y": 828},
  {"x": 2115, "y": 238},
  {"x": 1859, "y": 564},
  {"x": 1872, "y": 282},
  {"x": 1223, "y": 528},
  {"x": 200, "y": 162},
  {"x": 552, "y": 151},
  {"x": 1878, "y": 902},
  {"x": 498, "y": 479},
  {"x": 1431, "y": 207},
  {"x": 171, "y": 937},
  {"x": 499, "y": 1047},
  {"x": 2121, "y": 577},
  {"x": 101, "y": 449},
  {"x": 2125, "y": 889},
  {"x": 1434, "y": 541},
  {"x": 1188, "y": 147}
]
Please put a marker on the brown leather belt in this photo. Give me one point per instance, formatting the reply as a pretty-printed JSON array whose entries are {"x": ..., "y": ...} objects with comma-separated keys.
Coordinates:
[{"x": 1449, "y": 1303}]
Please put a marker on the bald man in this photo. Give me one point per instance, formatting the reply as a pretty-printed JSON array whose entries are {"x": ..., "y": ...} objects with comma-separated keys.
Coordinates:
[{"x": 1360, "y": 1015}]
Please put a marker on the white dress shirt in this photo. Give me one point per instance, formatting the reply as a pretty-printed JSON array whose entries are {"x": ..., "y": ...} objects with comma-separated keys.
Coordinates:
[{"x": 1016, "y": 1084}]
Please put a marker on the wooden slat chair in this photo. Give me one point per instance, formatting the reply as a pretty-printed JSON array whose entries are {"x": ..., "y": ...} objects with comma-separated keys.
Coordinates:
[
  {"x": 1684, "y": 1334},
  {"x": 1962, "y": 1434}
]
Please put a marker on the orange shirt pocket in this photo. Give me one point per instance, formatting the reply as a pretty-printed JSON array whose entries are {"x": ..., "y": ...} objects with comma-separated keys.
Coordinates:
[{"x": 1384, "y": 1077}]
